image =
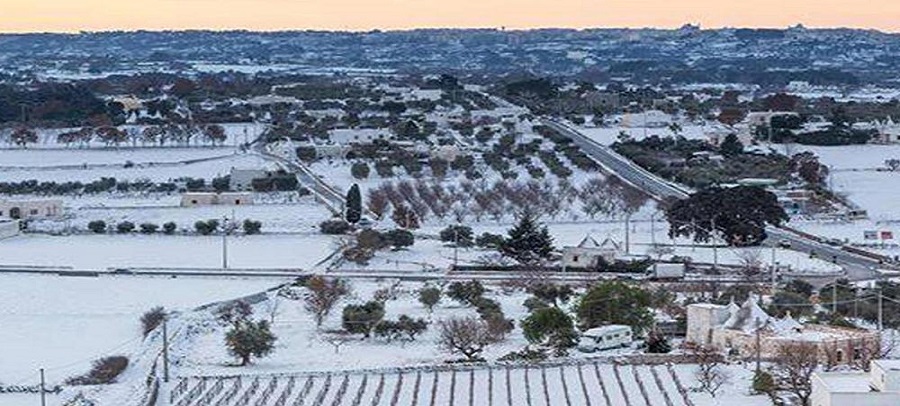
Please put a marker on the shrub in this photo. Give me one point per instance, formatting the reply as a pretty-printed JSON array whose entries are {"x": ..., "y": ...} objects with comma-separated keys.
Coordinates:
[
  {"x": 489, "y": 241},
  {"x": 97, "y": 226},
  {"x": 466, "y": 293},
  {"x": 400, "y": 238},
  {"x": 371, "y": 239},
  {"x": 359, "y": 255},
  {"x": 360, "y": 170},
  {"x": 252, "y": 227},
  {"x": 404, "y": 328},
  {"x": 361, "y": 319},
  {"x": 334, "y": 227},
  {"x": 527, "y": 355},
  {"x": 104, "y": 371},
  {"x": 152, "y": 319},
  {"x": 149, "y": 228},
  {"x": 206, "y": 227},
  {"x": 125, "y": 227},
  {"x": 306, "y": 153},
  {"x": 169, "y": 228},
  {"x": 457, "y": 234}
]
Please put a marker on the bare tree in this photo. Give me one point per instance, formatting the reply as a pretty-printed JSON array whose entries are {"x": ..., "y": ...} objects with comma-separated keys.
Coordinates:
[
  {"x": 338, "y": 338},
  {"x": 794, "y": 365},
  {"x": 750, "y": 259},
  {"x": 709, "y": 373},
  {"x": 321, "y": 296},
  {"x": 272, "y": 307},
  {"x": 467, "y": 336},
  {"x": 377, "y": 203},
  {"x": 234, "y": 313}
]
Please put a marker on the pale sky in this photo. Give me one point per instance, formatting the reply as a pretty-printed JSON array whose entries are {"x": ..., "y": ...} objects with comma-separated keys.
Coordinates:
[{"x": 98, "y": 15}]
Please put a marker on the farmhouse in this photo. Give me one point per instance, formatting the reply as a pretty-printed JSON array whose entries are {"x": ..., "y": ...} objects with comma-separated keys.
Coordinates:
[
  {"x": 878, "y": 387},
  {"x": 216, "y": 199},
  {"x": 588, "y": 252},
  {"x": 735, "y": 328},
  {"x": 30, "y": 209}
]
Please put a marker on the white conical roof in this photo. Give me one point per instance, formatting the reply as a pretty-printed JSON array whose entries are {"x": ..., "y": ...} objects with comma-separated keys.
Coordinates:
[{"x": 748, "y": 317}]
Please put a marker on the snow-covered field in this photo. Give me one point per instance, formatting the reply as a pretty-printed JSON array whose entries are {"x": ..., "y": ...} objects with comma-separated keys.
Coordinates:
[
  {"x": 99, "y": 252},
  {"x": 609, "y": 135},
  {"x": 159, "y": 173},
  {"x": 63, "y": 323},
  {"x": 581, "y": 383},
  {"x": 278, "y": 212}
]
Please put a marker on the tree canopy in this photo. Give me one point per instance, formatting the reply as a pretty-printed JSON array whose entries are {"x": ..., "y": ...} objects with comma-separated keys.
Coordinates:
[{"x": 738, "y": 215}]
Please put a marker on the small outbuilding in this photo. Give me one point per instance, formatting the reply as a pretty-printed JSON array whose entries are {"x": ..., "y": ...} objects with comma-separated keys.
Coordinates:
[{"x": 588, "y": 252}]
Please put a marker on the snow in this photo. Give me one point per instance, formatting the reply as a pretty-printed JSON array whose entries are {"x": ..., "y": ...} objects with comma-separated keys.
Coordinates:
[
  {"x": 99, "y": 252},
  {"x": 157, "y": 173},
  {"x": 63, "y": 323}
]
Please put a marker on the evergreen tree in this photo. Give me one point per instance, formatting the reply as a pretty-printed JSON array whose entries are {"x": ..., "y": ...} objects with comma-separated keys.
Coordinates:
[
  {"x": 552, "y": 328},
  {"x": 731, "y": 146},
  {"x": 528, "y": 242},
  {"x": 615, "y": 302},
  {"x": 354, "y": 205}
]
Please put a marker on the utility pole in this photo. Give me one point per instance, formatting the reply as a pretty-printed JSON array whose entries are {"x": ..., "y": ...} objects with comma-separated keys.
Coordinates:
[
  {"x": 758, "y": 346},
  {"x": 834, "y": 297},
  {"x": 165, "y": 351},
  {"x": 224, "y": 242},
  {"x": 880, "y": 310},
  {"x": 653, "y": 229},
  {"x": 43, "y": 390},
  {"x": 455, "y": 245},
  {"x": 627, "y": 234}
]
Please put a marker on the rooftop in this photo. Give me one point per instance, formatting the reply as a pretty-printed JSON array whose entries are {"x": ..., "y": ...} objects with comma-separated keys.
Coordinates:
[{"x": 845, "y": 382}]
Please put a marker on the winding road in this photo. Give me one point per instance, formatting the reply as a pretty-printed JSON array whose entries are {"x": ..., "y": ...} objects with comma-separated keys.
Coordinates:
[{"x": 861, "y": 266}]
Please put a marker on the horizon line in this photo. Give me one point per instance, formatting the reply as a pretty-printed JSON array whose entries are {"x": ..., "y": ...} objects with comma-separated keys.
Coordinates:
[{"x": 439, "y": 28}]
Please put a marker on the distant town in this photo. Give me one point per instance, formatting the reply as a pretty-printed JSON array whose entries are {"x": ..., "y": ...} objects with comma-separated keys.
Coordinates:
[{"x": 684, "y": 217}]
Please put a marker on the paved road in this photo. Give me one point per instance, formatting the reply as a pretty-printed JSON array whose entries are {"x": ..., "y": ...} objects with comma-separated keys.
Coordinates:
[
  {"x": 332, "y": 199},
  {"x": 858, "y": 267}
]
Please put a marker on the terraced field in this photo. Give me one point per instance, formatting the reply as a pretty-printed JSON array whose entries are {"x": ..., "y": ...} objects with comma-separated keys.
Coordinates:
[{"x": 589, "y": 384}]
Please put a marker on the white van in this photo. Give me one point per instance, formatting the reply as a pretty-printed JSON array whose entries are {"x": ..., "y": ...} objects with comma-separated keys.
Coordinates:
[{"x": 604, "y": 338}]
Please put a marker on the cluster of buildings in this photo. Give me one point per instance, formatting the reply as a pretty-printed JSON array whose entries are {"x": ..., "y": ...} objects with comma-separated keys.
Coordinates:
[{"x": 748, "y": 331}]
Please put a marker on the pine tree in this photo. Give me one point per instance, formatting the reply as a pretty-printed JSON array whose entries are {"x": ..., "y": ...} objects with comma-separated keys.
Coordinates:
[
  {"x": 528, "y": 242},
  {"x": 731, "y": 146},
  {"x": 354, "y": 204}
]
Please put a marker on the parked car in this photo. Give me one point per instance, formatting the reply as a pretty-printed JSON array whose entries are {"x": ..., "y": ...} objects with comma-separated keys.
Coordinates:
[{"x": 606, "y": 337}]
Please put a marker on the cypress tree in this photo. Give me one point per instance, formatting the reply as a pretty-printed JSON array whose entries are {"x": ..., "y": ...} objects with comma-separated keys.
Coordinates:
[{"x": 354, "y": 205}]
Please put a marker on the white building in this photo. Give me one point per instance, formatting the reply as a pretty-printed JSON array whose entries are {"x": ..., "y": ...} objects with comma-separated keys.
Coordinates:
[
  {"x": 648, "y": 119},
  {"x": 737, "y": 328},
  {"x": 9, "y": 228},
  {"x": 30, "y": 209},
  {"x": 588, "y": 253},
  {"x": 879, "y": 387}
]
